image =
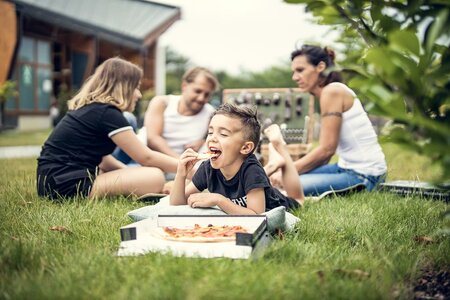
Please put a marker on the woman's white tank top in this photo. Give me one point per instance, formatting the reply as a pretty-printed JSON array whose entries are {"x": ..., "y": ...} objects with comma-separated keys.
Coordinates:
[{"x": 358, "y": 147}]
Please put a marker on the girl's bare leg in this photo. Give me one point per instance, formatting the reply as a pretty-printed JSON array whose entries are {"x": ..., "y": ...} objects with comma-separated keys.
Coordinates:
[
  {"x": 130, "y": 181},
  {"x": 290, "y": 176}
]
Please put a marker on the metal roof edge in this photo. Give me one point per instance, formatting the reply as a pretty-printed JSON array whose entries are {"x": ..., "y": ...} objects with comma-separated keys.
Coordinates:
[
  {"x": 160, "y": 4},
  {"x": 150, "y": 38},
  {"x": 71, "y": 23}
]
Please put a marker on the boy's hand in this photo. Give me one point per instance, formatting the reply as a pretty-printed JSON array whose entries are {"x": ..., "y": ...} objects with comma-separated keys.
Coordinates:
[
  {"x": 204, "y": 199},
  {"x": 186, "y": 162}
]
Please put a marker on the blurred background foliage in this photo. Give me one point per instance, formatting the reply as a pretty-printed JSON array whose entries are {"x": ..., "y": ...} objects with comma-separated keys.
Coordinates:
[
  {"x": 7, "y": 89},
  {"x": 273, "y": 76},
  {"x": 396, "y": 55}
]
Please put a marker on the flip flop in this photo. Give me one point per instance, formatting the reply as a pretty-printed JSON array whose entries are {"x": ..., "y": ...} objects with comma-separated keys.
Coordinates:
[{"x": 151, "y": 197}]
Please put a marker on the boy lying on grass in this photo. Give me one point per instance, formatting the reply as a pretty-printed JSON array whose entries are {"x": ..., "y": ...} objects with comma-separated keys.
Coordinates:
[{"x": 235, "y": 179}]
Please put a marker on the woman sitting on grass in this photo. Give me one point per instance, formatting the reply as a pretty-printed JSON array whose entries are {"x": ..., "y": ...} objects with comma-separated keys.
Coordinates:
[
  {"x": 236, "y": 180},
  {"x": 345, "y": 129},
  {"x": 75, "y": 159}
]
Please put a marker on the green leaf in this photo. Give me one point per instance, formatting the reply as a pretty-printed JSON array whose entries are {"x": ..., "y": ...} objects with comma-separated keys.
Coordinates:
[
  {"x": 329, "y": 15},
  {"x": 377, "y": 57},
  {"x": 296, "y": 1},
  {"x": 404, "y": 40},
  {"x": 436, "y": 29},
  {"x": 407, "y": 66},
  {"x": 315, "y": 5}
]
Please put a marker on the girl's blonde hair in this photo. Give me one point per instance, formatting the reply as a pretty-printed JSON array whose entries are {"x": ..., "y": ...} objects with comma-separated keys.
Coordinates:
[{"x": 113, "y": 82}]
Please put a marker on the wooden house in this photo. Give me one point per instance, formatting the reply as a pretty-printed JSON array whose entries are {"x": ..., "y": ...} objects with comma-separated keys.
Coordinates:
[{"x": 47, "y": 46}]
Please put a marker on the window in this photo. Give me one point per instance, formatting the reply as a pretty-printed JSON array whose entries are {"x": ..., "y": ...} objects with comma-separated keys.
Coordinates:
[
  {"x": 33, "y": 73},
  {"x": 79, "y": 63}
]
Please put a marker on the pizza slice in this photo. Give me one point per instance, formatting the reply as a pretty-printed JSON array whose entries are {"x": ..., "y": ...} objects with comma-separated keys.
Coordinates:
[
  {"x": 205, "y": 155},
  {"x": 199, "y": 233}
]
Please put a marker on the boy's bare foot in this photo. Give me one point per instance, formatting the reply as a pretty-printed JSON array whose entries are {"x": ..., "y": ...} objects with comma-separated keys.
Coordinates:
[
  {"x": 273, "y": 133},
  {"x": 276, "y": 161}
]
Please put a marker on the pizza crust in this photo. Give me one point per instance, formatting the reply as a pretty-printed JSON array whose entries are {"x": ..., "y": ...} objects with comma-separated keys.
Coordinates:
[{"x": 206, "y": 155}]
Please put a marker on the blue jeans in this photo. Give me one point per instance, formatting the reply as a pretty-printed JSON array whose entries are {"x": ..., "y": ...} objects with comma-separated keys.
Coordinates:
[
  {"x": 332, "y": 177},
  {"x": 118, "y": 153}
]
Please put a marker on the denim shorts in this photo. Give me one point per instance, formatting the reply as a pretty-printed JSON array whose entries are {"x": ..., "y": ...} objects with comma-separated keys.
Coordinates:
[{"x": 332, "y": 177}]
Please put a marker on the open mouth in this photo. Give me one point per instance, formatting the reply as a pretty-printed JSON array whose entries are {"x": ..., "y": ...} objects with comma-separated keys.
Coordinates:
[{"x": 215, "y": 152}]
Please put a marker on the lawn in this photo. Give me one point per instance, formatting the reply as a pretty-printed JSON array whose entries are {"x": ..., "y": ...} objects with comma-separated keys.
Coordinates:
[
  {"x": 13, "y": 138},
  {"x": 365, "y": 246}
]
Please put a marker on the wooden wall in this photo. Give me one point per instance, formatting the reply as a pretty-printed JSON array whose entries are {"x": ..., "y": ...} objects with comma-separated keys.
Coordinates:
[{"x": 8, "y": 40}]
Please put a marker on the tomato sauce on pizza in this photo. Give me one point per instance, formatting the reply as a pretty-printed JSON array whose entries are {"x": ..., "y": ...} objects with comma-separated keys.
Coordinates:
[{"x": 204, "y": 233}]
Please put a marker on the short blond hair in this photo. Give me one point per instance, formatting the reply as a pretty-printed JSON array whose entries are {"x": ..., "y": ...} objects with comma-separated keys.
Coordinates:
[
  {"x": 190, "y": 75},
  {"x": 113, "y": 82}
]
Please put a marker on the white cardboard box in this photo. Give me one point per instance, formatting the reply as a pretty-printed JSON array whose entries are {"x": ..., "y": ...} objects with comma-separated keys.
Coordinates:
[{"x": 138, "y": 238}]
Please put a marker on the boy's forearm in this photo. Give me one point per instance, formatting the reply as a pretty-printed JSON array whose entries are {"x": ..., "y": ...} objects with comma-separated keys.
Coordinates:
[
  {"x": 177, "y": 193},
  {"x": 233, "y": 209}
]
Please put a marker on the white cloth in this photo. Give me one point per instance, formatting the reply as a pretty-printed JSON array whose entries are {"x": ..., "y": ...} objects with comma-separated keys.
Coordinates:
[
  {"x": 358, "y": 147},
  {"x": 277, "y": 218},
  {"x": 178, "y": 130}
]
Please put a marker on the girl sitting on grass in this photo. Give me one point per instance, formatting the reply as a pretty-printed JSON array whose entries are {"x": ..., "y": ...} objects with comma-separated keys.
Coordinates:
[{"x": 75, "y": 159}]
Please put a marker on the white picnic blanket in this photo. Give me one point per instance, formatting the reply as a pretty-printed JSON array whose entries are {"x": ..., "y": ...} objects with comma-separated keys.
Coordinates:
[{"x": 277, "y": 218}]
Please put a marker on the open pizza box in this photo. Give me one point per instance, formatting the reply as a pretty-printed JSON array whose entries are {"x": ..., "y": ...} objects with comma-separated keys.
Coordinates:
[{"x": 149, "y": 236}]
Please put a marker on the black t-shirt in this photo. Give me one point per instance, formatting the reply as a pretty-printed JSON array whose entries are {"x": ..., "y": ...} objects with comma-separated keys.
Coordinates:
[
  {"x": 83, "y": 137},
  {"x": 251, "y": 175}
]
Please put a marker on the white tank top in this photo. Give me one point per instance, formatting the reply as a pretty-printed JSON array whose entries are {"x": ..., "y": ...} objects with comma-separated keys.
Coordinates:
[
  {"x": 358, "y": 147},
  {"x": 180, "y": 130}
]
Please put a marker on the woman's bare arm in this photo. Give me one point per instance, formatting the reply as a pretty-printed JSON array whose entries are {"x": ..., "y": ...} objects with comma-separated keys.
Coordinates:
[
  {"x": 331, "y": 108},
  {"x": 128, "y": 141}
]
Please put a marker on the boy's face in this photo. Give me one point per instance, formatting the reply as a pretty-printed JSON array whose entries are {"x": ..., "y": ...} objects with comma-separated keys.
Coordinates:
[{"x": 226, "y": 138}]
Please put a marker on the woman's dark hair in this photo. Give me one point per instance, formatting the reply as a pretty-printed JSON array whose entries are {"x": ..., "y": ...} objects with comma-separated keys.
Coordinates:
[{"x": 315, "y": 55}]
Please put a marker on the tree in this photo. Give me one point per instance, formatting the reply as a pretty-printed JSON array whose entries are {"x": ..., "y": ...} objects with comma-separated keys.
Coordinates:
[
  {"x": 7, "y": 90},
  {"x": 176, "y": 66},
  {"x": 398, "y": 60},
  {"x": 272, "y": 77}
]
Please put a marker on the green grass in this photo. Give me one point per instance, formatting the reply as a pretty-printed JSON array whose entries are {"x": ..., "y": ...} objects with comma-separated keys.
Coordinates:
[
  {"x": 14, "y": 138},
  {"x": 359, "y": 247}
]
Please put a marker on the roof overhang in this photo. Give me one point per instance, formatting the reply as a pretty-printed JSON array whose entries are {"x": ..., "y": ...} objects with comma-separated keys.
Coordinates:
[{"x": 27, "y": 9}]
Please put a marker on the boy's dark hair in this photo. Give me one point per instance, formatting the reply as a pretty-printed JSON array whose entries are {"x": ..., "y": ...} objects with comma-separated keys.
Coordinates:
[
  {"x": 315, "y": 55},
  {"x": 248, "y": 117}
]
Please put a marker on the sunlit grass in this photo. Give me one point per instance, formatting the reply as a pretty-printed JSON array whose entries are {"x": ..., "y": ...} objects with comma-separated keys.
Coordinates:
[
  {"x": 16, "y": 138},
  {"x": 360, "y": 247}
]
